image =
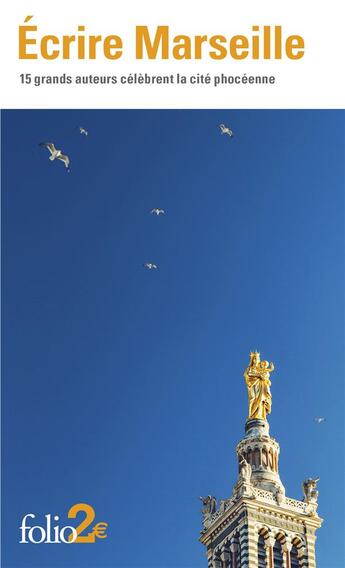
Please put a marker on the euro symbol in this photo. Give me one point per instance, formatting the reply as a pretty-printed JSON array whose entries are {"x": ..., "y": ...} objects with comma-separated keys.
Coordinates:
[{"x": 100, "y": 529}]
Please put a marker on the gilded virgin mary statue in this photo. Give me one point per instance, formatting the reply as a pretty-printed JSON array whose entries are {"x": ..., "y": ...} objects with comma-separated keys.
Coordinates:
[{"x": 257, "y": 376}]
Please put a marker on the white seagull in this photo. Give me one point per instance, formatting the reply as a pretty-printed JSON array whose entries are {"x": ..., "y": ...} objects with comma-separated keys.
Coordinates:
[
  {"x": 157, "y": 211},
  {"x": 319, "y": 419},
  {"x": 56, "y": 154},
  {"x": 83, "y": 131},
  {"x": 150, "y": 266},
  {"x": 226, "y": 130}
]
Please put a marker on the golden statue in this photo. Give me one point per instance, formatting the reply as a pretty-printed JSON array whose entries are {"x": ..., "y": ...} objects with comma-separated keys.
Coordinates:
[{"x": 257, "y": 377}]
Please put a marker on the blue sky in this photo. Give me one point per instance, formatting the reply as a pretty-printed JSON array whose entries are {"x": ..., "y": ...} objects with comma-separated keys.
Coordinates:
[{"x": 123, "y": 388}]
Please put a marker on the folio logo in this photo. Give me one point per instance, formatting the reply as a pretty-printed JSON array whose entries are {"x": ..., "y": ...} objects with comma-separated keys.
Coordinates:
[{"x": 49, "y": 534}]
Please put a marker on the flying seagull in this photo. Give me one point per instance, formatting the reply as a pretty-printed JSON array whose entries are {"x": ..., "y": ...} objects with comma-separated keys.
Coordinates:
[
  {"x": 226, "y": 130},
  {"x": 55, "y": 154},
  {"x": 83, "y": 131},
  {"x": 150, "y": 266},
  {"x": 319, "y": 419},
  {"x": 157, "y": 212}
]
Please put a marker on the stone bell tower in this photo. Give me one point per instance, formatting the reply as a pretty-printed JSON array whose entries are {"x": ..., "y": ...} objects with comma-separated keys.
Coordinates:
[{"x": 258, "y": 526}]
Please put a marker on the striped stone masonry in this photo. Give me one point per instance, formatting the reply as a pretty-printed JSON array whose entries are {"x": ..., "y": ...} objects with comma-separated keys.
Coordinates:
[{"x": 258, "y": 526}]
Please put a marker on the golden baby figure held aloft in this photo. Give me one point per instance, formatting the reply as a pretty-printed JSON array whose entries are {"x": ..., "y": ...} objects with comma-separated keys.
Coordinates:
[{"x": 257, "y": 377}]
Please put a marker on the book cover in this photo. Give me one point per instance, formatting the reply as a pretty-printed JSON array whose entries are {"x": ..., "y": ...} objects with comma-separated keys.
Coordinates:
[{"x": 172, "y": 179}]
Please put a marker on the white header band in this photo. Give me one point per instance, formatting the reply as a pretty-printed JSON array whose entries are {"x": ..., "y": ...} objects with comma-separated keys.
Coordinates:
[{"x": 263, "y": 76}]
